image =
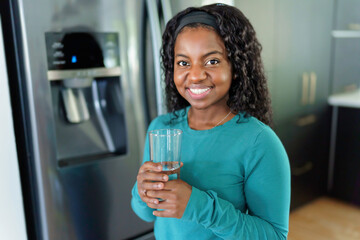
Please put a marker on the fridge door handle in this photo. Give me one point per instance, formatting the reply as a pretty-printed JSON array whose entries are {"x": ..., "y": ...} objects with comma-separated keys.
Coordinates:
[
  {"x": 155, "y": 29},
  {"x": 102, "y": 122},
  {"x": 312, "y": 95},
  {"x": 305, "y": 87},
  {"x": 166, "y": 8}
]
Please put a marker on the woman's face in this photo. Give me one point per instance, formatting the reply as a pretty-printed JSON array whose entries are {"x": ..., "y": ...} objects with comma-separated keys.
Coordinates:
[{"x": 202, "y": 70}]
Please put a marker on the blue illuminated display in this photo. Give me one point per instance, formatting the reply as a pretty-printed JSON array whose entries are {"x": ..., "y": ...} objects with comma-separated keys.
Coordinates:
[{"x": 73, "y": 59}]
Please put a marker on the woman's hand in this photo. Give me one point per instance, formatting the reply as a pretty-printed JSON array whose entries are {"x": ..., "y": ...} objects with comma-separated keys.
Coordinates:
[
  {"x": 175, "y": 195},
  {"x": 150, "y": 178}
]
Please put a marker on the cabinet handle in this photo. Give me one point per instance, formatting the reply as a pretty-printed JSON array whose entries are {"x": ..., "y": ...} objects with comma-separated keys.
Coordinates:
[
  {"x": 305, "y": 121},
  {"x": 303, "y": 169},
  {"x": 305, "y": 87},
  {"x": 312, "y": 95}
]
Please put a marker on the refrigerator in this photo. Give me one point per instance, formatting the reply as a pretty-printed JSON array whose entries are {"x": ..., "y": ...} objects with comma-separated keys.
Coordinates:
[{"x": 85, "y": 82}]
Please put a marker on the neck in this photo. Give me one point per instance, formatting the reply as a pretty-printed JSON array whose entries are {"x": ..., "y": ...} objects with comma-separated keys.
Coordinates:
[{"x": 203, "y": 119}]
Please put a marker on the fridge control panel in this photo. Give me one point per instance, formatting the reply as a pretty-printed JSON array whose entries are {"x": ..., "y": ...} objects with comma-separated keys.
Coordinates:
[{"x": 82, "y": 50}]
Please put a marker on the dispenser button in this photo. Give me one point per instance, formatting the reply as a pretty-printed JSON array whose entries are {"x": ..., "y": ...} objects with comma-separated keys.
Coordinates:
[
  {"x": 58, "y": 54},
  {"x": 57, "y": 45},
  {"x": 62, "y": 62}
]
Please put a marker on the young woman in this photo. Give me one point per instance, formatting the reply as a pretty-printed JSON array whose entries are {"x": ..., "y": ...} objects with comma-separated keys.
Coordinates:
[{"x": 235, "y": 178}]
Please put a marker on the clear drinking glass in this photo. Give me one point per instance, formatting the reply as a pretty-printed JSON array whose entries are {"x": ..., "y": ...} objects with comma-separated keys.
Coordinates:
[{"x": 165, "y": 148}]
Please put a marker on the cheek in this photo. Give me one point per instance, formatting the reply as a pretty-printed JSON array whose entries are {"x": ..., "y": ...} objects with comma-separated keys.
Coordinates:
[
  {"x": 178, "y": 85},
  {"x": 178, "y": 79},
  {"x": 225, "y": 77}
]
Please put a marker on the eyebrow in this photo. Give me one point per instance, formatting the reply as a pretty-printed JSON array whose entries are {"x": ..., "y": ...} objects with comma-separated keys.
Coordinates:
[{"x": 207, "y": 54}]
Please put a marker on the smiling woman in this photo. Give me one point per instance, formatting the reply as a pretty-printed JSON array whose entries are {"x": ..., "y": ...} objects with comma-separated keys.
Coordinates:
[
  {"x": 203, "y": 75},
  {"x": 235, "y": 177}
]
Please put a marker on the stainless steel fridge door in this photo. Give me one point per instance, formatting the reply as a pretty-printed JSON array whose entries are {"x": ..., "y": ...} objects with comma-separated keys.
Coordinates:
[
  {"x": 11, "y": 201},
  {"x": 89, "y": 200}
]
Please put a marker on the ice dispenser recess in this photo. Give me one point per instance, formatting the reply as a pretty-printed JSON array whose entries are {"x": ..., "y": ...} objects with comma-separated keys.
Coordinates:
[{"x": 87, "y": 98}]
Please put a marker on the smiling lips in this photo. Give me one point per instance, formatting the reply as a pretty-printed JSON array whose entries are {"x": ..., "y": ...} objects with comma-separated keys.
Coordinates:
[{"x": 198, "y": 93}]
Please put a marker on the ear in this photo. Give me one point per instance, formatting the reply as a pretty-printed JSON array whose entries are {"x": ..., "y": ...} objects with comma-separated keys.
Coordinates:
[{"x": 234, "y": 76}]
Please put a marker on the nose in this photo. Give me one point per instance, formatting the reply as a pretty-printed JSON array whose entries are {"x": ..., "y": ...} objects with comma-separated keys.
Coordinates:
[{"x": 197, "y": 73}]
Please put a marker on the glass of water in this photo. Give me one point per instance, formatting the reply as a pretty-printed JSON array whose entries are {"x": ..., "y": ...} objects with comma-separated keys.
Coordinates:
[{"x": 165, "y": 148}]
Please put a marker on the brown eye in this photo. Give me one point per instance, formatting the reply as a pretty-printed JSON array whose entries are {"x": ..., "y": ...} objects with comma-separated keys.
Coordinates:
[
  {"x": 183, "y": 63},
  {"x": 212, "y": 62}
]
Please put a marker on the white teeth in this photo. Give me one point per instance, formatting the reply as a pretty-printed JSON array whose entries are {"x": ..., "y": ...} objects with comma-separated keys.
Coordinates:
[{"x": 198, "y": 91}]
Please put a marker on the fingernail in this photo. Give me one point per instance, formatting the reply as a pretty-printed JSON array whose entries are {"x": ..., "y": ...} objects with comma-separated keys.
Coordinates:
[
  {"x": 165, "y": 177},
  {"x": 159, "y": 167}
]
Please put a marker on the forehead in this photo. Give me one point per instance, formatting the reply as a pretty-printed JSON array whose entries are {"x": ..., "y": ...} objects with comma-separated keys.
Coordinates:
[{"x": 191, "y": 38}]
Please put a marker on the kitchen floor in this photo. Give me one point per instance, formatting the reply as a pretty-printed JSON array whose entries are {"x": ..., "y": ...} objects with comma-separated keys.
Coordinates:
[{"x": 325, "y": 219}]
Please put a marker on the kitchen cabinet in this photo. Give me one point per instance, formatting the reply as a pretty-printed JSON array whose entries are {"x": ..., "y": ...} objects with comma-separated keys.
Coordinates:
[
  {"x": 301, "y": 81},
  {"x": 346, "y": 175},
  {"x": 302, "y": 56},
  {"x": 345, "y": 152},
  {"x": 344, "y": 170}
]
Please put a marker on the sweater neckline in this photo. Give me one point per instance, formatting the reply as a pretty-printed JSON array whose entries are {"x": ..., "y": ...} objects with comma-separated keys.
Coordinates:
[{"x": 207, "y": 131}]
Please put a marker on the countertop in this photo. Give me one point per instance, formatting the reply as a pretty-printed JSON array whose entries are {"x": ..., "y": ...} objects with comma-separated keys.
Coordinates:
[{"x": 348, "y": 99}]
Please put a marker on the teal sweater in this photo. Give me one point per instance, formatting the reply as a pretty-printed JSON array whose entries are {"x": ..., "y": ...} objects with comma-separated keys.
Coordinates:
[{"x": 240, "y": 178}]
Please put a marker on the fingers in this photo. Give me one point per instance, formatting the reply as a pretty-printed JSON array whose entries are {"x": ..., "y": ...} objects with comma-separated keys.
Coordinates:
[
  {"x": 150, "y": 166},
  {"x": 153, "y": 188},
  {"x": 145, "y": 187},
  {"x": 159, "y": 194},
  {"x": 150, "y": 171},
  {"x": 165, "y": 213},
  {"x": 150, "y": 178},
  {"x": 161, "y": 205},
  {"x": 145, "y": 198},
  {"x": 153, "y": 176},
  {"x": 153, "y": 201},
  {"x": 173, "y": 184},
  {"x": 152, "y": 185},
  {"x": 175, "y": 195}
]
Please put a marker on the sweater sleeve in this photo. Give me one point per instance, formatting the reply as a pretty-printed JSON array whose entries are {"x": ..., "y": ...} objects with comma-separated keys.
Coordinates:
[
  {"x": 267, "y": 194},
  {"x": 138, "y": 206}
]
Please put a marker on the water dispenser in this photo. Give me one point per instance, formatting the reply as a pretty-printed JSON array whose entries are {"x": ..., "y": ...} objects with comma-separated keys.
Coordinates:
[{"x": 87, "y": 96}]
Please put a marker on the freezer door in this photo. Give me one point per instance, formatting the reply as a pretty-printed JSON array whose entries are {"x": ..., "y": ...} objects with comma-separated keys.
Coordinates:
[
  {"x": 87, "y": 199},
  {"x": 11, "y": 201}
]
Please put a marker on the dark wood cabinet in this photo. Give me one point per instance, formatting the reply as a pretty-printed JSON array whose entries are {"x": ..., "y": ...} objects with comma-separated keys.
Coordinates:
[
  {"x": 308, "y": 150},
  {"x": 346, "y": 180}
]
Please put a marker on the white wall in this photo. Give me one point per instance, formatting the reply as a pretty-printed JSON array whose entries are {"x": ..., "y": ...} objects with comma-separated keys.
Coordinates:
[{"x": 12, "y": 219}]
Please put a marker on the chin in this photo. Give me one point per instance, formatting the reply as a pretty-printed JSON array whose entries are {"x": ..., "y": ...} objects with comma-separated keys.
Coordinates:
[{"x": 199, "y": 106}]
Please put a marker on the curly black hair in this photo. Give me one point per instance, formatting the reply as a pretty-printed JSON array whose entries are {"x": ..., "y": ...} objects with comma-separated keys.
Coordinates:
[{"x": 248, "y": 92}]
